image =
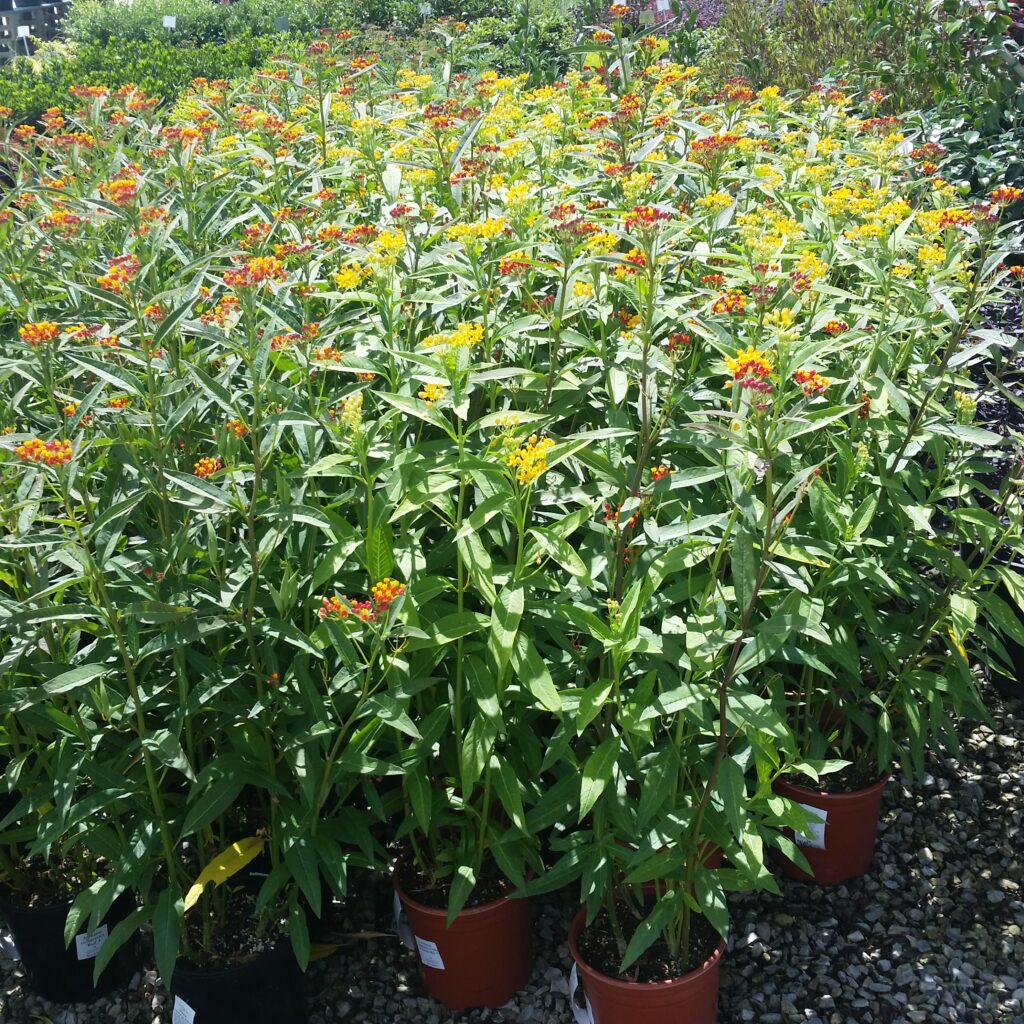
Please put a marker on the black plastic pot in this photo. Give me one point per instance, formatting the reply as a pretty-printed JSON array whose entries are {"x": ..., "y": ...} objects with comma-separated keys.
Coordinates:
[
  {"x": 264, "y": 990},
  {"x": 63, "y": 974}
]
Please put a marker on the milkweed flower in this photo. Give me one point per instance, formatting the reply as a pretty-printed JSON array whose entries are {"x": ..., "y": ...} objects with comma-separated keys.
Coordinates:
[
  {"x": 835, "y": 327},
  {"x": 255, "y": 272},
  {"x": 751, "y": 368},
  {"x": 236, "y": 427},
  {"x": 36, "y": 334},
  {"x": 385, "y": 593},
  {"x": 660, "y": 472},
  {"x": 208, "y": 466},
  {"x": 52, "y": 453},
  {"x": 121, "y": 271},
  {"x": 733, "y": 302},
  {"x": 812, "y": 382},
  {"x": 1005, "y": 194},
  {"x": 530, "y": 460},
  {"x": 431, "y": 393}
]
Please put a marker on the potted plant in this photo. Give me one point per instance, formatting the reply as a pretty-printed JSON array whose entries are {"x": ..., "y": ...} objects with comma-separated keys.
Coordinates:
[{"x": 930, "y": 535}]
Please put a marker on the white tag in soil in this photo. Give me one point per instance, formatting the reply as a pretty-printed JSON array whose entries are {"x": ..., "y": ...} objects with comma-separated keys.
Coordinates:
[
  {"x": 581, "y": 1014},
  {"x": 24, "y": 31},
  {"x": 662, "y": 5},
  {"x": 430, "y": 955},
  {"x": 817, "y": 837},
  {"x": 400, "y": 925},
  {"x": 183, "y": 1013},
  {"x": 88, "y": 945},
  {"x": 171, "y": 21}
]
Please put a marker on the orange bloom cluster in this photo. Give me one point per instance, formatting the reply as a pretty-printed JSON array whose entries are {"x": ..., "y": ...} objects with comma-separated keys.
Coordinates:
[
  {"x": 1006, "y": 194},
  {"x": 751, "y": 368},
  {"x": 645, "y": 217},
  {"x": 708, "y": 150},
  {"x": 328, "y": 354},
  {"x": 53, "y": 453},
  {"x": 120, "y": 191},
  {"x": 516, "y": 263},
  {"x": 236, "y": 427},
  {"x": 660, "y": 472},
  {"x": 62, "y": 221},
  {"x": 730, "y": 302},
  {"x": 208, "y": 466},
  {"x": 385, "y": 593},
  {"x": 36, "y": 334},
  {"x": 121, "y": 402},
  {"x": 256, "y": 272},
  {"x": 811, "y": 381},
  {"x": 1018, "y": 272},
  {"x": 834, "y": 327},
  {"x": 121, "y": 271}
]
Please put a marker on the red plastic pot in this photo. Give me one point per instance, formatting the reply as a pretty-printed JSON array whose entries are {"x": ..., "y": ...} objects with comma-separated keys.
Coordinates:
[
  {"x": 483, "y": 959},
  {"x": 842, "y": 847},
  {"x": 691, "y": 999}
]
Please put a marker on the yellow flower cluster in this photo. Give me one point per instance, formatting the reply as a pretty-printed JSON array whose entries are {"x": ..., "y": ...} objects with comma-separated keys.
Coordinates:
[{"x": 530, "y": 460}]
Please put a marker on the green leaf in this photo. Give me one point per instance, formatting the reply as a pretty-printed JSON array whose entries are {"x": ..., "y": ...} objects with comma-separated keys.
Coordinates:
[
  {"x": 744, "y": 566},
  {"x": 389, "y": 711},
  {"x": 507, "y": 785},
  {"x": 478, "y": 561},
  {"x": 533, "y": 674},
  {"x": 505, "y": 617},
  {"x": 380, "y": 555},
  {"x": 215, "y": 799},
  {"x": 597, "y": 773},
  {"x": 731, "y": 788},
  {"x": 418, "y": 788},
  {"x": 298, "y": 931},
  {"x": 302, "y": 862},
  {"x": 117, "y": 937},
  {"x": 650, "y": 928},
  {"x": 167, "y": 917}
]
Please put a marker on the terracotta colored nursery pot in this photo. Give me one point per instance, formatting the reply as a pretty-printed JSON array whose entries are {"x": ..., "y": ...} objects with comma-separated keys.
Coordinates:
[
  {"x": 842, "y": 847},
  {"x": 691, "y": 999},
  {"x": 483, "y": 959}
]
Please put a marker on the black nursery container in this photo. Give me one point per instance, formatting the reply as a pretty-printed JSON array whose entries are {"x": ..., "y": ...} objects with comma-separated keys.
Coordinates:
[
  {"x": 63, "y": 974},
  {"x": 264, "y": 990}
]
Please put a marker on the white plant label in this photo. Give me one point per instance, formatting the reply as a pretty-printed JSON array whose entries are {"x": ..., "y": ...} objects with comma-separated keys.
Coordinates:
[
  {"x": 430, "y": 955},
  {"x": 581, "y": 1014},
  {"x": 24, "y": 31},
  {"x": 817, "y": 837},
  {"x": 662, "y": 5},
  {"x": 171, "y": 21},
  {"x": 647, "y": 17},
  {"x": 281, "y": 24},
  {"x": 88, "y": 945},
  {"x": 183, "y": 1013},
  {"x": 401, "y": 925}
]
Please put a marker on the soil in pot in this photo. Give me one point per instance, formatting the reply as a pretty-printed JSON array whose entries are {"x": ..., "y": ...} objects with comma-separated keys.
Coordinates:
[
  {"x": 660, "y": 988},
  {"x": 64, "y": 974},
  {"x": 842, "y": 843},
  {"x": 486, "y": 955}
]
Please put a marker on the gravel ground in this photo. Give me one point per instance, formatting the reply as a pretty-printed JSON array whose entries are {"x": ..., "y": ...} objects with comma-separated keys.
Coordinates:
[{"x": 934, "y": 934}]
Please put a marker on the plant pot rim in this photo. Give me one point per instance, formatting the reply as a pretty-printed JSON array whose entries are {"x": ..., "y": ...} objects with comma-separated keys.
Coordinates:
[
  {"x": 10, "y": 904},
  {"x": 782, "y": 781},
  {"x": 577, "y": 926},
  {"x": 188, "y": 967},
  {"x": 422, "y": 908}
]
